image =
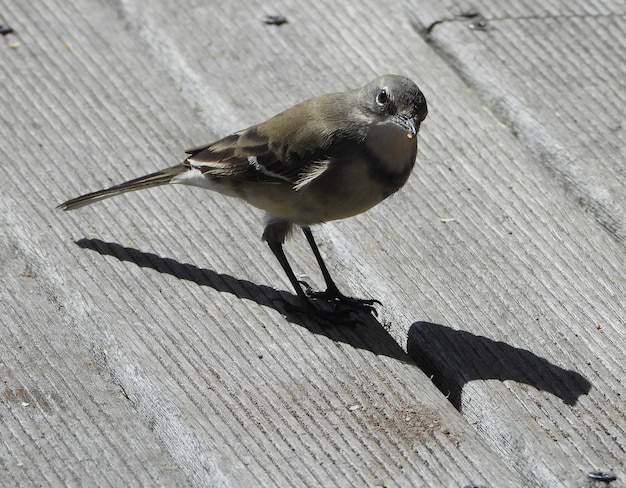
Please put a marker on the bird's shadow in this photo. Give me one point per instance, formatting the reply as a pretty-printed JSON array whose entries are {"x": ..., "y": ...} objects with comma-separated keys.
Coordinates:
[
  {"x": 377, "y": 339},
  {"x": 453, "y": 358},
  {"x": 450, "y": 357}
]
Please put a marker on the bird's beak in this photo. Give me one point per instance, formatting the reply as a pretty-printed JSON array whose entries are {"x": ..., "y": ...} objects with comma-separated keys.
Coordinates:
[{"x": 409, "y": 124}]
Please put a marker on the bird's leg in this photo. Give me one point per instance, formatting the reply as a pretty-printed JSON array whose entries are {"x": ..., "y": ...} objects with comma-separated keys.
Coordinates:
[
  {"x": 332, "y": 314},
  {"x": 331, "y": 306},
  {"x": 277, "y": 249},
  {"x": 332, "y": 293}
]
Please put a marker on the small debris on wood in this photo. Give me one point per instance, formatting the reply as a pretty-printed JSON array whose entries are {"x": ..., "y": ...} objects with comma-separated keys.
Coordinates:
[
  {"x": 275, "y": 19},
  {"x": 468, "y": 14},
  {"x": 479, "y": 22},
  {"x": 5, "y": 29},
  {"x": 605, "y": 476}
]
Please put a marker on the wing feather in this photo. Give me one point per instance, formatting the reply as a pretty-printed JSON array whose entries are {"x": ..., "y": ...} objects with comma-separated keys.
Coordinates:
[
  {"x": 292, "y": 146},
  {"x": 248, "y": 156}
]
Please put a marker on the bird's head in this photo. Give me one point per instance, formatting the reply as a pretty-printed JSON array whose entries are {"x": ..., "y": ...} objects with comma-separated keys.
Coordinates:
[{"x": 393, "y": 99}]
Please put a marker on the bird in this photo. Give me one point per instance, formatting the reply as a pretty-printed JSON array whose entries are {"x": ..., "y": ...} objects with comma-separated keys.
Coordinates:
[{"x": 327, "y": 158}]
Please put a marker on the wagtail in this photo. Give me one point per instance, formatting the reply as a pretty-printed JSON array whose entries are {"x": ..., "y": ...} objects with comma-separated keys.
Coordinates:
[{"x": 327, "y": 158}]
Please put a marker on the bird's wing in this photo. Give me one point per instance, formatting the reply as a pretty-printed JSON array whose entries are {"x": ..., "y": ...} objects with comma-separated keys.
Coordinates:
[{"x": 248, "y": 155}]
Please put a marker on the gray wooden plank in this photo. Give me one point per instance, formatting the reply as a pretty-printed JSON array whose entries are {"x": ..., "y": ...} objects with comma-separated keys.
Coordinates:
[
  {"x": 512, "y": 290},
  {"x": 522, "y": 250},
  {"x": 236, "y": 393},
  {"x": 63, "y": 419},
  {"x": 573, "y": 56},
  {"x": 544, "y": 72}
]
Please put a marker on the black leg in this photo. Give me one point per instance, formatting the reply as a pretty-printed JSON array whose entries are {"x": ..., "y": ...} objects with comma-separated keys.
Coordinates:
[
  {"x": 277, "y": 249},
  {"x": 307, "y": 307},
  {"x": 332, "y": 293},
  {"x": 331, "y": 312},
  {"x": 331, "y": 287}
]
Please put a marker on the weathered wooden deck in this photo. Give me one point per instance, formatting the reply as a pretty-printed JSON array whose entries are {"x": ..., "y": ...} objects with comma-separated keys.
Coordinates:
[{"x": 143, "y": 340}]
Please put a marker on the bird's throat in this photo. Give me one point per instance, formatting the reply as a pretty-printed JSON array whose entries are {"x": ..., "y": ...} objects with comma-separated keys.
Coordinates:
[{"x": 393, "y": 145}]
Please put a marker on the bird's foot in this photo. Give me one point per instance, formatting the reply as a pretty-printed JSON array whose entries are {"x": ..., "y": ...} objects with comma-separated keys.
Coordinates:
[
  {"x": 329, "y": 309},
  {"x": 340, "y": 302}
]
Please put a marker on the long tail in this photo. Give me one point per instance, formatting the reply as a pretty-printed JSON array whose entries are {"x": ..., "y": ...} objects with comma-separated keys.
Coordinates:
[{"x": 148, "y": 181}]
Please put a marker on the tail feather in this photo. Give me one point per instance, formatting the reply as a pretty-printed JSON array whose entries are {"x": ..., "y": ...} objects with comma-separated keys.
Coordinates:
[{"x": 148, "y": 181}]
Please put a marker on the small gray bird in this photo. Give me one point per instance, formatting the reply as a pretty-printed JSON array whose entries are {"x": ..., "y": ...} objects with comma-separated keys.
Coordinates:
[{"x": 327, "y": 158}]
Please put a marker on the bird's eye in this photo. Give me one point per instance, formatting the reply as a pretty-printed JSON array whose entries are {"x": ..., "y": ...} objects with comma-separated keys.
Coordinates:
[{"x": 382, "y": 97}]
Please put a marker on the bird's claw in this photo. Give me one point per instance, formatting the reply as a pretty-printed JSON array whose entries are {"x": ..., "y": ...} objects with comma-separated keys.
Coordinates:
[
  {"x": 327, "y": 312},
  {"x": 340, "y": 302}
]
